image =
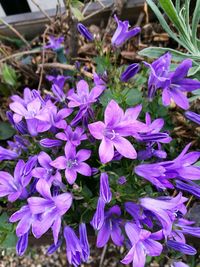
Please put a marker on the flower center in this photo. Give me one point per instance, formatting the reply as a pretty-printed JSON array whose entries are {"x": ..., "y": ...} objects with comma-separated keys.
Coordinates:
[
  {"x": 72, "y": 163},
  {"x": 111, "y": 134}
]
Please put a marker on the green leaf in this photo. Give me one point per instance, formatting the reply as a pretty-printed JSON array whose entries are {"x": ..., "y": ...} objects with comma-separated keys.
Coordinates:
[
  {"x": 180, "y": 25},
  {"x": 9, "y": 241},
  {"x": 195, "y": 20},
  {"x": 77, "y": 13},
  {"x": 133, "y": 97},
  {"x": 164, "y": 23},
  {"x": 6, "y": 131},
  {"x": 155, "y": 52},
  {"x": 77, "y": 4},
  {"x": 171, "y": 12},
  {"x": 5, "y": 226},
  {"x": 9, "y": 75}
]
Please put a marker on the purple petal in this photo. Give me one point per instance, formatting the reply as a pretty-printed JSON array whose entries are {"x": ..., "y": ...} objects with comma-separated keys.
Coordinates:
[{"x": 106, "y": 150}]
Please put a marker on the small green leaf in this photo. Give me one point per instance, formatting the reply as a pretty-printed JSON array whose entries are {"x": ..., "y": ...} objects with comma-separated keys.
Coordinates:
[
  {"x": 155, "y": 52},
  {"x": 6, "y": 131},
  {"x": 106, "y": 97},
  {"x": 9, "y": 75},
  {"x": 77, "y": 13},
  {"x": 195, "y": 20},
  {"x": 133, "y": 97}
]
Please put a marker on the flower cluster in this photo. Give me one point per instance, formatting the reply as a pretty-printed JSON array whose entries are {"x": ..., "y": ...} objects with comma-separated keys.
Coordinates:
[{"x": 72, "y": 156}]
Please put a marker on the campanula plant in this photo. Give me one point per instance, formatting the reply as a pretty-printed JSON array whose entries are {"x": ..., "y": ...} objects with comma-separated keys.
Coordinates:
[{"x": 89, "y": 158}]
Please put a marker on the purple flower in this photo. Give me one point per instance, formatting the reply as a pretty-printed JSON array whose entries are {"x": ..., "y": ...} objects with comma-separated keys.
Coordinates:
[
  {"x": 84, "y": 242},
  {"x": 105, "y": 192},
  {"x": 30, "y": 113},
  {"x": 52, "y": 117},
  {"x": 122, "y": 180},
  {"x": 46, "y": 171},
  {"x": 84, "y": 98},
  {"x": 190, "y": 187},
  {"x": 183, "y": 248},
  {"x": 142, "y": 244},
  {"x": 73, "y": 137},
  {"x": 98, "y": 218},
  {"x": 54, "y": 247},
  {"x": 25, "y": 218},
  {"x": 130, "y": 71},
  {"x": 180, "y": 167},
  {"x": 179, "y": 264},
  {"x": 85, "y": 32},
  {"x": 20, "y": 126},
  {"x": 122, "y": 33},
  {"x": 158, "y": 77},
  {"x": 179, "y": 85},
  {"x": 7, "y": 154},
  {"x": 22, "y": 244},
  {"x": 117, "y": 126},
  {"x": 174, "y": 85},
  {"x": 54, "y": 43},
  {"x": 192, "y": 116},
  {"x": 50, "y": 210},
  {"x": 57, "y": 86},
  {"x": 153, "y": 134},
  {"x": 183, "y": 226},
  {"x": 74, "y": 249},
  {"x": 48, "y": 143},
  {"x": 15, "y": 186},
  {"x": 111, "y": 228},
  {"x": 73, "y": 163},
  {"x": 155, "y": 173},
  {"x": 100, "y": 79},
  {"x": 165, "y": 209}
]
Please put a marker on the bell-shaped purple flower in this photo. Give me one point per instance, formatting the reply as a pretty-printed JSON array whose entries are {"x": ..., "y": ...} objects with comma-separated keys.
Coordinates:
[
  {"x": 85, "y": 32},
  {"x": 189, "y": 186},
  {"x": 84, "y": 242},
  {"x": 22, "y": 244},
  {"x": 54, "y": 247},
  {"x": 54, "y": 43},
  {"x": 129, "y": 72},
  {"x": 50, "y": 210},
  {"x": 122, "y": 33},
  {"x": 111, "y": 228},
  {"x": 98, "y": 218},
  {"x": 73, "y": 247},
  {"x": 165, "y": 209},
  {"x": 105, "y": 192},
  {"x": 142, "y": 244},
  {"x": 48, "y": 143},
  {"x": 192, "y": 116},
  {"x": 183, "y": 248}
]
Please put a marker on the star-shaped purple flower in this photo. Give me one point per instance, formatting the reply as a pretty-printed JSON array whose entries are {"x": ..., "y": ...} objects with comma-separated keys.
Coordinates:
[{"x": 73, "y": 163}]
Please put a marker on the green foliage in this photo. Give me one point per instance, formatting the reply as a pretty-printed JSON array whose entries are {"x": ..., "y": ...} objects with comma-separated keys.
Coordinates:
[
  {"x": 7, "y": 234},
  {"x": 6, "y": 131},
  {"x": 185, "y": 35},
  {"x": 9, "y": 76},
  {"x": 75, "y": 7}
]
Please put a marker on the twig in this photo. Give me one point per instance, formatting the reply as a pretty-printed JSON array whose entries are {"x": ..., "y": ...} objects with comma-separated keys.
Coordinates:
[
  {"x": 103, "y": 255},
  {"x": 20, "y": 54},
  {"x": 16, "y": 32},
  {"x": 65, "y": 67},
  {"x": 189, "y": 201},
  {"x": 43, "y": 11},
  {"x": 43, "y": 57}
]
